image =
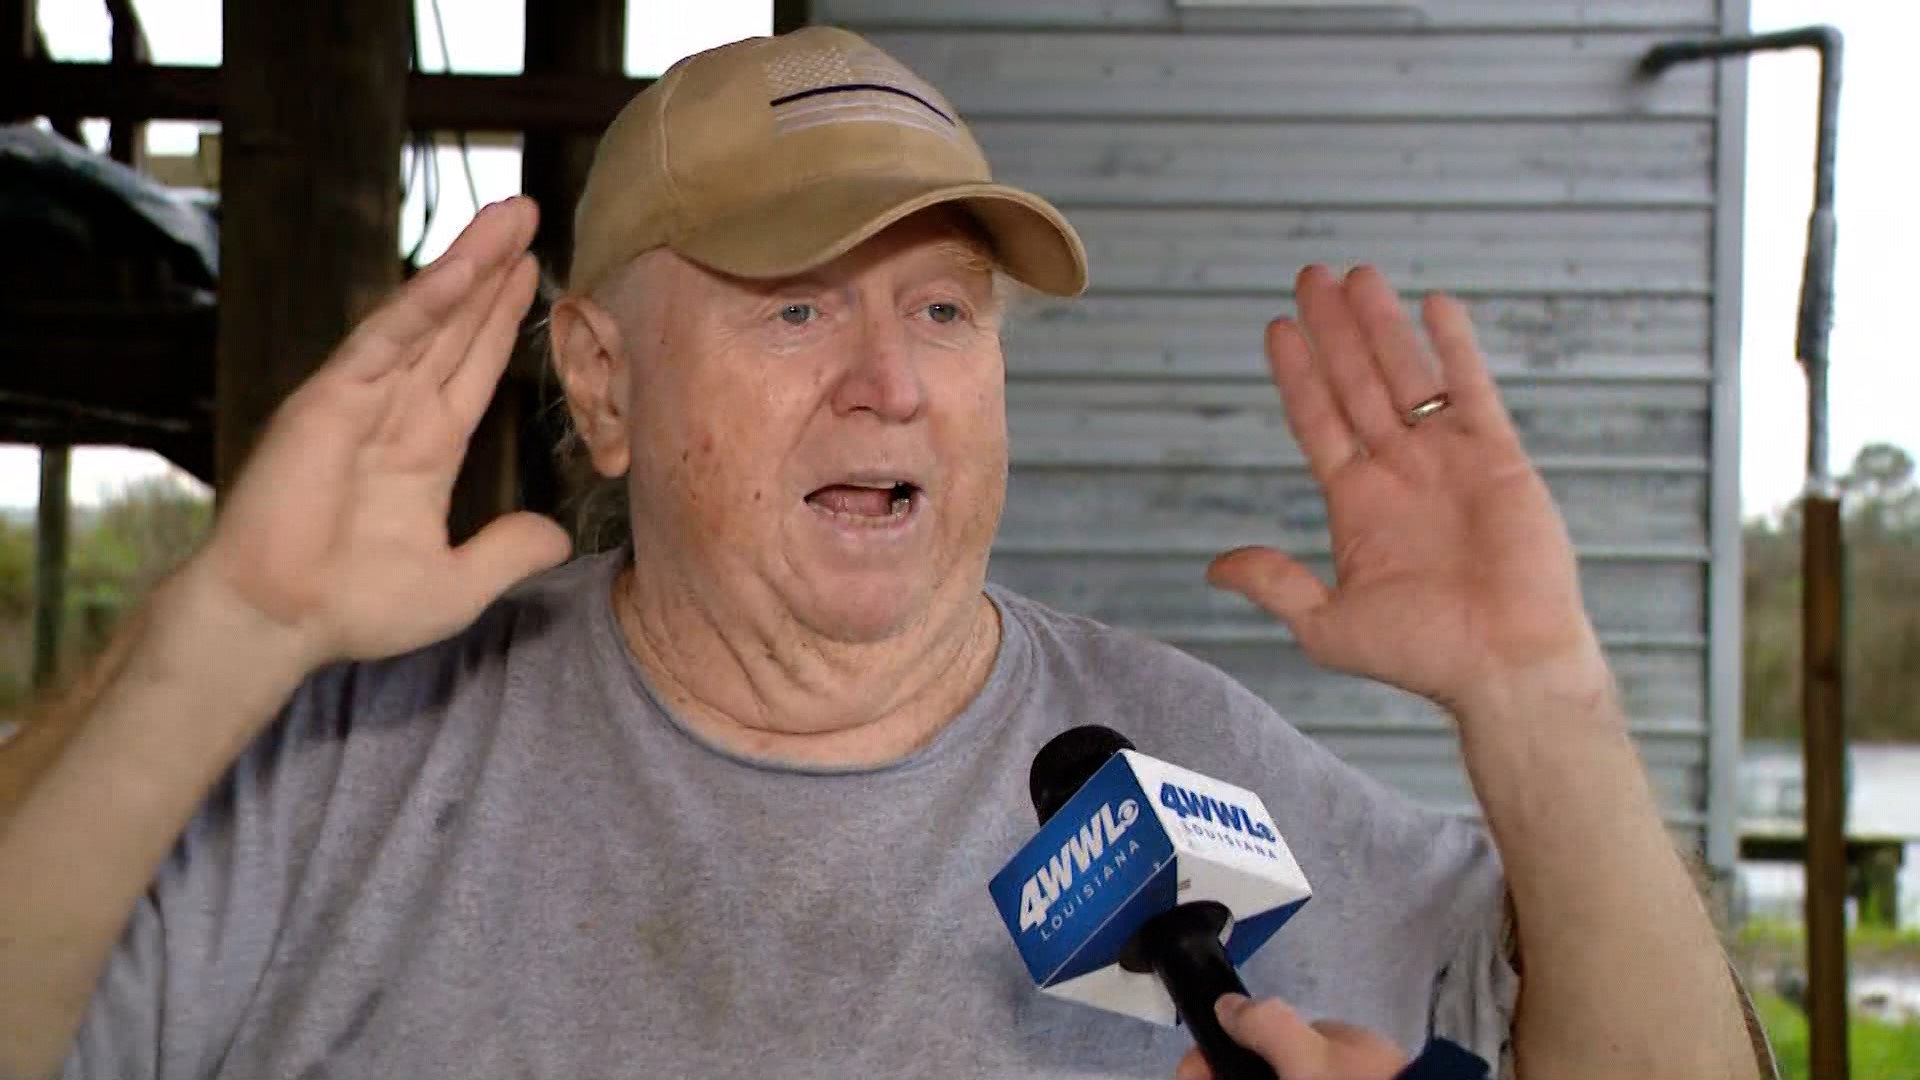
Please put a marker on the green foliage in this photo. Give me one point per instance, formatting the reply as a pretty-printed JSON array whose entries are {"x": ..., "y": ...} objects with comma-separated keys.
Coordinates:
[
  {"x": 1876, "y": 1050},
  {"x": 115, "y": 553},
  {"x": 1881, "y": 505}
]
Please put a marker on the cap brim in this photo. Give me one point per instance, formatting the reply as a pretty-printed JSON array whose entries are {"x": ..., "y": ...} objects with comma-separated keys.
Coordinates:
[{"x": 805, "y": 229}]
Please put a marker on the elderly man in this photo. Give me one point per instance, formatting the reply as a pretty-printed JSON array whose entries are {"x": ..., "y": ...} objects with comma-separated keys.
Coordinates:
[{"x": 724, "y": 801}]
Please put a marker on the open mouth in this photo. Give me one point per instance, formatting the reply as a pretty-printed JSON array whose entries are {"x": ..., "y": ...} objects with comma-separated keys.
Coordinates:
[{"x": 863, "y": 502}]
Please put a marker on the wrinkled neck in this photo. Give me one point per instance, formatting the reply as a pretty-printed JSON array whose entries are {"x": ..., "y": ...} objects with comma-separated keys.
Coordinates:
[{"x": 767, "y": 687}]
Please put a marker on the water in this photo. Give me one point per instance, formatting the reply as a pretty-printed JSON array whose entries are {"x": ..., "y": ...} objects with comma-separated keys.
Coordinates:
[{"x": 1883, "y": 800}]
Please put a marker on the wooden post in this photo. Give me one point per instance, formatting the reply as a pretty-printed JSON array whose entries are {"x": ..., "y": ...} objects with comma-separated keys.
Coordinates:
[
  {"x": 50, "y": 564},
  {"x": 1823, "y": 733},
  {"x": 791, "y": 15},
  {"x": 19, "y": 26},
  {"x": 510, "y": 457},
  {"x": 126, "y": 135},
  {"x": 19, "y": 38},
  {"x": 1878, "y": 886},
  {"x": 313, "y": 105},
  {"x": 579, "y": 38}
]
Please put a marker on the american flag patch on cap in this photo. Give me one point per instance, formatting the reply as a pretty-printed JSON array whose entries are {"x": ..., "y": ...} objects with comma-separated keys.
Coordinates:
[{"x": 834, "y": 85}]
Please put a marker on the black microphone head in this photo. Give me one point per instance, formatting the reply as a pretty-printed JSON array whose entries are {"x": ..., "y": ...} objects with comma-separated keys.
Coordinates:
[{"x": 1067, "y": 762}]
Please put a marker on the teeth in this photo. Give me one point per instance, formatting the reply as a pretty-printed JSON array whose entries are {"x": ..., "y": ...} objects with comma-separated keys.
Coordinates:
[{"x": 901, "y": 503}]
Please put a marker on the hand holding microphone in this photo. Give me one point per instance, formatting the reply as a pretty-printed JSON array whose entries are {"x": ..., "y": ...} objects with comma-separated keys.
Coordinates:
[
  {"x": 1326, "y": 1049},
  {"x": 1297, "y": 1050},
  {"x": 1146, "y": 885}
]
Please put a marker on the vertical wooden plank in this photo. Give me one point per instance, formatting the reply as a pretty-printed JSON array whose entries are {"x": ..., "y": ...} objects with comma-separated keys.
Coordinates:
[
  {"x": 791, "y": 15},
  {"x": 18, "y": 23},
  {"x": 19, "y": 37},
  {"x": 50, "y": 564},
  {"x": 126, "y": 137},
  {"x": 584, "y": 37},
  {"x": 1823, "y": 733},
  {"x": 510, "y": 460},
  {"x": 313, "y": 97}
]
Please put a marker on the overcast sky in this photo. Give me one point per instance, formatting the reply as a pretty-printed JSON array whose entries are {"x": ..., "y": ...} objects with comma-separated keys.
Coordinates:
[{"x": 1874, "y": 350}]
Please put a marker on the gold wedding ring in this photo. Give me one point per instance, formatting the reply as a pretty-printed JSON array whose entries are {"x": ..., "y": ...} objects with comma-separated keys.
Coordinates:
[{"x": 1434, "y": 404}]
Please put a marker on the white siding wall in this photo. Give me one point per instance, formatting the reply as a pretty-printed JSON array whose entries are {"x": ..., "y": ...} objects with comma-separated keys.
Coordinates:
[{"x": 1499, "y": 149}]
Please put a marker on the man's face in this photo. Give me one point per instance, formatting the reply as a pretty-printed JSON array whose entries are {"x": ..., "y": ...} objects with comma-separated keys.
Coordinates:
[{"x": 830, "y": 448}]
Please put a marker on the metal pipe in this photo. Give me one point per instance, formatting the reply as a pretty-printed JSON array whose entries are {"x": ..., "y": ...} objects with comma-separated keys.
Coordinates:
[
  {"x": 1816, "y": 281},
  {"x": 1823, "y": 651}
]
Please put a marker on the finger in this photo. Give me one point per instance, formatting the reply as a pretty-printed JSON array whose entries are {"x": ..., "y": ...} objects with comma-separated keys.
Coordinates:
[
  {"x": 449, "y": 346},
  {"x": 507, "y": 551},
  {"x": 1289, "y": 592},
  {"x": 1313, "y": 416},
  {"x": 1274, "y": 1031},
  {"x": 398, "y": 329},
  {"x": 1470, "y": 385},
  {"x": 1286, "y": 589},
  {"x": 472, "y": 382},
  {"x": 1405, "y": 363},
  {"x": 1342, "y": 352},
  {"x": 1361, "y": 1052},
  {"x": 1193, "y": 1066},
  {"x": 496, "y": 239},
  {"x": 498, "y": 231}
]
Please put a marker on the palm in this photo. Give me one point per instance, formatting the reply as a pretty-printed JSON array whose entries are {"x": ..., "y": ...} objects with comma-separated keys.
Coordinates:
[
  {"x": 337, "y": 528},
  {"x": 1450, "y": 560}
]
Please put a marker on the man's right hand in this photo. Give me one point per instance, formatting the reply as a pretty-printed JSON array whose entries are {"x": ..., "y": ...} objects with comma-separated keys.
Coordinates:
[
  {"x": 333, "y": 539},
  {"x": 332, "y": 544}
]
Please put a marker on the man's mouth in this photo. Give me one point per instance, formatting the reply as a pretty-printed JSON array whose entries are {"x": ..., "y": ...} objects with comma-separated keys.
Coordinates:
[{"x": 866, "y": 502}]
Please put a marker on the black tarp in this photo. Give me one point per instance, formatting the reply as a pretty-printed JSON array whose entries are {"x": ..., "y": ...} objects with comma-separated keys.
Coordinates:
[{"x": 60, "y": 201}]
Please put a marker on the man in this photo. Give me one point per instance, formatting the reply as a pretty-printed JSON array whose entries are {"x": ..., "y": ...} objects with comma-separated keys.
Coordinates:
[{"x": 724, "y": 801}]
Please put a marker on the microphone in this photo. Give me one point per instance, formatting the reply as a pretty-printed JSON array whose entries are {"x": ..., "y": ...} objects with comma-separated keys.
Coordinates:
[{"x": 1145, "y": 886}]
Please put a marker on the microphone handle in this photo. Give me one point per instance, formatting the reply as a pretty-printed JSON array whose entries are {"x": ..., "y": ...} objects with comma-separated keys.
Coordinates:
[{"x": 1183, "y": 945}]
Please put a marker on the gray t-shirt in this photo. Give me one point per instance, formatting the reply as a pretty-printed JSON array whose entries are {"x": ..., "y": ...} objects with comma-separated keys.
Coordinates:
[{"x": 499, "y": 856}]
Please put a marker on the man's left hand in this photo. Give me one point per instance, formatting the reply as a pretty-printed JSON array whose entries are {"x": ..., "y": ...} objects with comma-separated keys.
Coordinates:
[{"x": 1452, "y": 566}]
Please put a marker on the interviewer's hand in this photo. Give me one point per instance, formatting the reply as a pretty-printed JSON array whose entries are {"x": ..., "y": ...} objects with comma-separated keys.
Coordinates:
[
  {"x": 1297, "y": 1050},
  {"x": 334, "y": 537}
]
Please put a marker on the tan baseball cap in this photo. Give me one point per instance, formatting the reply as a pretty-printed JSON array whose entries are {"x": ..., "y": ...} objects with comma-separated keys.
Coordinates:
[{"x": 771, "y": 156}]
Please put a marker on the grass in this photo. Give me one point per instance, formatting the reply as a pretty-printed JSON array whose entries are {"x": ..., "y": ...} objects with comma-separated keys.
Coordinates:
[
  {"x": 1864, "y": 943},
  {"x": 1875, "y": 1050}
]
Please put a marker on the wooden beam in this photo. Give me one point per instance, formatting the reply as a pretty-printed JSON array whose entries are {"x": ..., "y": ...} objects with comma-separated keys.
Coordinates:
[
  {"x": 151, "y": 361},
  {"x": 571, "y": 102},
  {"x": 313, "y": 123}
]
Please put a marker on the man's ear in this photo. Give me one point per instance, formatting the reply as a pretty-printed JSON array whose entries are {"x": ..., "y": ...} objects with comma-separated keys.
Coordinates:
[{"x": 592, "y": 364}]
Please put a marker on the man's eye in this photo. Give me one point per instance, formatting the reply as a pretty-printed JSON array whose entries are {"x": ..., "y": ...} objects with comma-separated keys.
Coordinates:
[
  {"x": 943, "y": 313},
  {"x": 797, "y": 314}
]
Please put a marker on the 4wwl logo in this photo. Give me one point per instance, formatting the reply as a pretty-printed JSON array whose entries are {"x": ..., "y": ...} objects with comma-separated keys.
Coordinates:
[{"x": 1054, "y": 880}]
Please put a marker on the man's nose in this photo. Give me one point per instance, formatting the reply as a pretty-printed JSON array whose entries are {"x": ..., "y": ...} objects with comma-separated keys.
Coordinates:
[{"x": 882, "y": 376}]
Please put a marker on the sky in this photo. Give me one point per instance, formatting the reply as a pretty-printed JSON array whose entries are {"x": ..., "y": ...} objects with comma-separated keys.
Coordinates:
[{"x": 1874, "y": 352}]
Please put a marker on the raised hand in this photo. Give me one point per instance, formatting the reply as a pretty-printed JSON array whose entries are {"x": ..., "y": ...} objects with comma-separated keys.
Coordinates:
[
  {"x": 1452, "y": 566},
  {"x": 335, "y": 533}
]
